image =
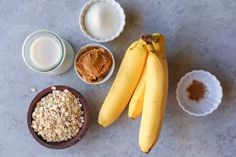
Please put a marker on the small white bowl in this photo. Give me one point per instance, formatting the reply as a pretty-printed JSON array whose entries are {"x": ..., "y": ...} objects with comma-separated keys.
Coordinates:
[
  {"x": 108, "y": 75},
  {"x": 116, "y": 34},
  {"x": 212, "y": 97}
]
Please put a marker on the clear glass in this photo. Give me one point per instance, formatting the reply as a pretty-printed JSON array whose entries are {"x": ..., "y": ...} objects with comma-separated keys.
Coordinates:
[{"x": 30, "y": 39}]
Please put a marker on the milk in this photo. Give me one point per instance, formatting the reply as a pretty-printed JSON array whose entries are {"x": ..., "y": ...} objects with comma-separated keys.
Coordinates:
[{"x": 45, "y": 53}]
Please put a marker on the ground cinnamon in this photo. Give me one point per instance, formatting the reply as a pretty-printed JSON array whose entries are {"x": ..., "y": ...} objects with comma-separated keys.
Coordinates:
[{"x": 196, "y": 90}]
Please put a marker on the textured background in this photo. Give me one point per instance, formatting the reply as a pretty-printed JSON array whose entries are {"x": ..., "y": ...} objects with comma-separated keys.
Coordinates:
[{"x": 201, "y": 34}]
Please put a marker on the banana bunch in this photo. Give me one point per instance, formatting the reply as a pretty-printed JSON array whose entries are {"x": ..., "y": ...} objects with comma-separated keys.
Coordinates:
[{"x": 141, "y": 82}]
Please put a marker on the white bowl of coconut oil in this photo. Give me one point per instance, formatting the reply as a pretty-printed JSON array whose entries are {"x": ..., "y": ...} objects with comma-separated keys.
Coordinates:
[{"x": 45, "y": 52}]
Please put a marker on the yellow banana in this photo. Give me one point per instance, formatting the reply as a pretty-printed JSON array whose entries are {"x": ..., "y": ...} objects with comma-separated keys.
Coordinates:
[
  {"x": 155, "y": 92},
  {"x": 136, "y": 102},
  {"x": 124, "y": 84}
]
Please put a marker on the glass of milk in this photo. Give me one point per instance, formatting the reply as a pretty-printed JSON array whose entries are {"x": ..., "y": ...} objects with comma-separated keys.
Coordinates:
[{"x": 45, "y": 52}]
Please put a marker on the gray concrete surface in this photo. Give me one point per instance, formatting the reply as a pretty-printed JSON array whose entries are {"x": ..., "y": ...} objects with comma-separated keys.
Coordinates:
[{"x": 201, "y": 34}]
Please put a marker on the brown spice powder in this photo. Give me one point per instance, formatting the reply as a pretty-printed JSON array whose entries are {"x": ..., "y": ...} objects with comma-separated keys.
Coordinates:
[{"x": 196, "y": 90}]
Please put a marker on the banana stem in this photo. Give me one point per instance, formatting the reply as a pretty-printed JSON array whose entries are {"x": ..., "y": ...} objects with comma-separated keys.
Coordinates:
[
  {"x": 147, "y": 38},
  {"x": 150, "y": 38}
]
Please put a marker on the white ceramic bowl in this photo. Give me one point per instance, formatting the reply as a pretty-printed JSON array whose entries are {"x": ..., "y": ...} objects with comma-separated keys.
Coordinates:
[
  {"x": 116, "y": 34},
  {"x": 108, "y": 75},
  {"x": 212, "y": 97}
]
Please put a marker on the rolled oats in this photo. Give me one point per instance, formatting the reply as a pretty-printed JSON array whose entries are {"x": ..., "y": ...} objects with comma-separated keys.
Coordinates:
[{"x": 58, "y": 116}]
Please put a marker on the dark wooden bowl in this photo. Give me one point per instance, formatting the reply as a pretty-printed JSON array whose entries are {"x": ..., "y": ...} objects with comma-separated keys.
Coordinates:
[{"x": 63, "y": 144}]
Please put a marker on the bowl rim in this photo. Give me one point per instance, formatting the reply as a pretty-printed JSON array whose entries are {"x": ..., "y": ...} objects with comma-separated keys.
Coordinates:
[
  {"x": 178, "y": 88},
  {"x": 108, "y": 75},
  {"x": 116, "y": 34},
  {"x": 62, "y": 144}
]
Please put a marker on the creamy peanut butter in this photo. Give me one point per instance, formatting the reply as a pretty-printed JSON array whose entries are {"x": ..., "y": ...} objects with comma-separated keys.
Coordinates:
[{"x": 94, "y": 64}]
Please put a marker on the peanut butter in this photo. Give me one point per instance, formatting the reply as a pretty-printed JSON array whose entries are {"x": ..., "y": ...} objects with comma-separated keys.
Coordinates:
[{"x": 94, "y": 64}]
